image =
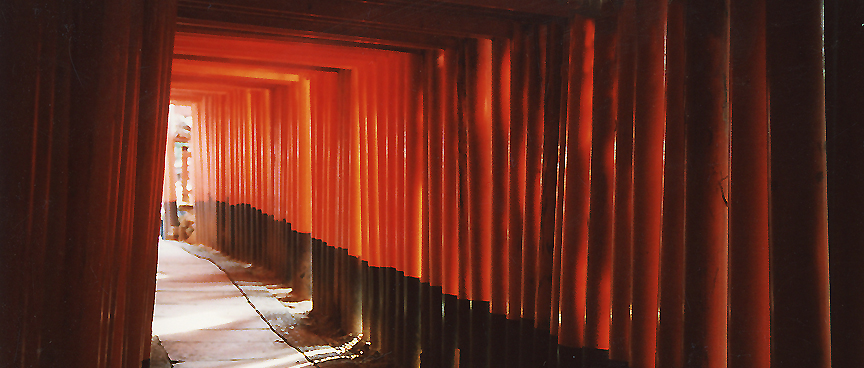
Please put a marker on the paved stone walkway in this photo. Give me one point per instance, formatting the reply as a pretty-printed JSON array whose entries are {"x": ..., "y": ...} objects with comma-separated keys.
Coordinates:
[{"x": 205, "y": 321}]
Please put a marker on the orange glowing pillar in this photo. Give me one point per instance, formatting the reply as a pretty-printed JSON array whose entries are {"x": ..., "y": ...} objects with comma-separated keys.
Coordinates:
[
  {"x": 463, "y": 120},
  {"x": 219, "y": 149},
  {"x": 267, "y": 175},
  {"x": 450, "y": 166},
  {"x": 649, "y": 127},
  {"x": 255, "y": 173},
  {"x": 304, "y": 191},
  {"x": 619, "y": 331},
  {"x": 416, "y": 246},
  {"x": 293, "y": 173},
  {"x": 321, "y": 181},
  {"x": 204, "y": 182},
  {"x": 317, "y": 165},
  {"x": 385, "y": 224},
  {"x": 415, "y": 168},
  {"x": 355, "y": 187},
  {"x": 433, "y": 68},
  {"x": 214, "y": 127},
  {"x": 208, "y": 165},
  {"x": 480, "y": 168},
  {"x": 246, "y": 177},
  {"x": 500, "y": 110},
  {"x": 479, "y": 142},
  {"x": 516, "y": 193},
  {"x": 335, "y": 147},
  {"x": 516, "y": 189},
  {"x": 533, "y": 158},
  {"x": 350, "y": 197},
  {"x": 383, "y": 105},
  {"x": 670, "y": 331},
  {"x": 279, "y": 178},
  {"x": 396, "y": 163},
  {"x": 342, "y": 132},
  {"x": 552, "y": 122},
  {"x": 558, "y": 211},
  {"x": 397, "y": 155},
  {"x": 376, "y": 258},
  {"x": 370, "y": 251},
  {"x": 435, "y": 130},
  {"x": 574, "y": 238},
  {"x": 332, "y": 178},
  {"x": 218, "y": 156},
  {"x": 224, "y": 171},
  {"x": 601, "y": 219},
  {"x": 231, "y": 110}
]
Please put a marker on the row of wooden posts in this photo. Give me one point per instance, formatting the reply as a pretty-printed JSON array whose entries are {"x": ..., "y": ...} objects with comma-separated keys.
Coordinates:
[{"x": 538, "y": 185}]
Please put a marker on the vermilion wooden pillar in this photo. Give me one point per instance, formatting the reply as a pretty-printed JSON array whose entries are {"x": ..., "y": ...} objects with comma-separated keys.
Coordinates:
[
  {"x": 670, "y": 330},
  {"x": 800, "y": 324},
  {"x": 434, "y": 161},
  {"x": 500, "y": 110},
  {"x": 619, "y": 331},
  {"x": 517, "y": 174},
  {"x": 844, "y": 76},
  {"x": 245, "y": 161},
  {"x": 516, "y": 191},
  {"x": 416, "y": 212},
  {"x": 450, "y": 168},
  {"x": 350, "y": 233},
  {"x": 554, "y": 348},
  {"x": 532, "y": 207},
  {"x": 553, "y": 119},
  {"x": 433, "y": 103},
  {"x": 749, "y": 293},
  {"x": 383, "y": 177},
  {"x": 231, "y": 164},
  {"x": 649, "y": 127},
  {"x": 384, "y": 174},
  {"x": 601, "y": 219},
  {"x": 479, "y": 143},
  {"x": 154, "y": 94},
  {"x": 466, "y": 65},
  {"x": 374, "y": 169},
  {"x": 574, "y": 238},
  {"x": 355, "y": 171},
  {"x": 706, "y": 229}
]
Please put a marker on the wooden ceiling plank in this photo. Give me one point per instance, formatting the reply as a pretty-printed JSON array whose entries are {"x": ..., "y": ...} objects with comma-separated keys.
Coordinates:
[{"x": 427, "y": 17}]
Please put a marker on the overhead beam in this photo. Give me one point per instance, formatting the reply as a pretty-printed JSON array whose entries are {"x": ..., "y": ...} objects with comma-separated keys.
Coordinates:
[
  {"x": 396, "y": 21},
  {"x": 229, "y": 24},
  {"x": 541, "y": 7}
]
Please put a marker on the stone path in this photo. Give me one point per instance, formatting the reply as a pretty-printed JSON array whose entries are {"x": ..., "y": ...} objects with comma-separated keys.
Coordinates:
[{"x": 204, "y": 320}]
